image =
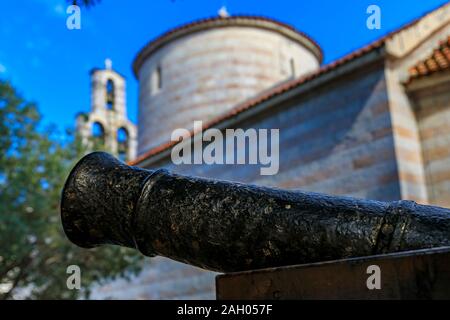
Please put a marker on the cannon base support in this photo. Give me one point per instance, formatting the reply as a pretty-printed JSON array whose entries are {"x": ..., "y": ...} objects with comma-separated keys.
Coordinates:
[{"x": 419, "y": 274}]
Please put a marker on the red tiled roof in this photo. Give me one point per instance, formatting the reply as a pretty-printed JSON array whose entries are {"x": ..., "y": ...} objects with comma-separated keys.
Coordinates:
[
  {"x": 214, "y": 22},
  {"x": 439, "y": 60},
  {"x": 281, "y": 89}
]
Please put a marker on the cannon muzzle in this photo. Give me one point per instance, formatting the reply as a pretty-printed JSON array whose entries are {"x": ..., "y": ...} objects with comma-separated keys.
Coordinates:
[{"x": 228, "y": 226}]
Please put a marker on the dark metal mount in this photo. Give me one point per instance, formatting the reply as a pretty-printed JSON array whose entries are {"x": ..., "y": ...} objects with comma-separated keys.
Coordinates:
[
  {"x": 227, "y": 226},
  {"x": 418, "y": 274}
]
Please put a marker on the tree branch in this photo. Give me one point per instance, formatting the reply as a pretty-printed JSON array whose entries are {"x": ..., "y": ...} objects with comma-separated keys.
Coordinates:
[{"x": 22, "y": 265}]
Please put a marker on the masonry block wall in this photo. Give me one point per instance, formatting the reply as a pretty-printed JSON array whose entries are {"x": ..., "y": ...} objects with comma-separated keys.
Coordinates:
[
  {"x": 161, "y": 278},
  {"x": 408, "y": 145},
  {"x": 203, "y": 74},
  {"x": 337, "y": 139},
  {"x": 433, "y": 116}
]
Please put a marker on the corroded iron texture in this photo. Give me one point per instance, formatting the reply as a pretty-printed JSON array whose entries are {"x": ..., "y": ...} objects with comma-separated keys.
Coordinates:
[{"x": 227, "y": 226}]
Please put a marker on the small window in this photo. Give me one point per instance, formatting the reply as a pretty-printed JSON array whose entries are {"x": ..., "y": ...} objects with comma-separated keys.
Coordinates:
[
  {"x": 157, "y": 80},
  {"x": 292, "y": 64},
  {"x": 110, "y": 94}
]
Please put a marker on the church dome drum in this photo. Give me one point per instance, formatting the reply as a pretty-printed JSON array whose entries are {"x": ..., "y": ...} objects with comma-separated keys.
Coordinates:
[{"x": 203, "y": 69}]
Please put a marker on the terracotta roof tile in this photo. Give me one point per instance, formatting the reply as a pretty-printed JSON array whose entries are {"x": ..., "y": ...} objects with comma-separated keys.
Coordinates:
[{"x": 439, "y": 60}]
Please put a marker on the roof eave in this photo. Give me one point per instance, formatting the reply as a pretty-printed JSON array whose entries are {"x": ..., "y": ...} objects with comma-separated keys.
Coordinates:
[
  {"x": 276, "y": 96},
  {"x": 219, "y": 22}
]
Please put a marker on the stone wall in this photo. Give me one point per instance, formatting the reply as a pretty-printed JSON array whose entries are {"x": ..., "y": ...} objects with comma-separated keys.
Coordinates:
[
  {"x": 161, "y": 278},
  {"x": 408, "y": 146},
  {"x": 207, "y": 73},
  {"x": 432, "y": 104},
  {"x": 335, "y": 139}
]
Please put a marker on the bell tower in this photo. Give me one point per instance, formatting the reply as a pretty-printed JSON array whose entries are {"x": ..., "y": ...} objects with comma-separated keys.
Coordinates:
[{"x": 107, "y": 122}]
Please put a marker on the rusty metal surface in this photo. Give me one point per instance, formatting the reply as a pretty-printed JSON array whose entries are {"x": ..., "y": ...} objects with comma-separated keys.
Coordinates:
[
  {"x": 420, "y": 274},
  {"x": 228, "y": 226}
]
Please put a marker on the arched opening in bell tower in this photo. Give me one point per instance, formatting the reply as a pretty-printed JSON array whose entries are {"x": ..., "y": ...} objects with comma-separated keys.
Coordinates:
[
  {"x": 122, "y": 143},
  {"x": 98, "y": 132},
  {"x": 110, "y": 95}
]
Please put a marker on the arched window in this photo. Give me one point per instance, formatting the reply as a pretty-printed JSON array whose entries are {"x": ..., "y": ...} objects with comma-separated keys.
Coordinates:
[
  {"x": 110, "y": 94},
  {"x": 122, "y": 142},
  {"x": 98, "y": 132}
]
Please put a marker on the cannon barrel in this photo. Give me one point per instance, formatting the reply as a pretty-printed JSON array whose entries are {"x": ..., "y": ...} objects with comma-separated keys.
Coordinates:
[{"x": 227, "y": 226}]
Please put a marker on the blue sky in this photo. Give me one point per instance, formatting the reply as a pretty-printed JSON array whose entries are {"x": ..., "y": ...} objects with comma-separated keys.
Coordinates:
[{"x": 50, "y": 64}]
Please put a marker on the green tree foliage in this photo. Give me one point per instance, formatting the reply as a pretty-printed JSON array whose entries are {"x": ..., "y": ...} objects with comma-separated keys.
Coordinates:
[
  {"x": 34, "y": 252},
  {"x": 86, "y": 3}
]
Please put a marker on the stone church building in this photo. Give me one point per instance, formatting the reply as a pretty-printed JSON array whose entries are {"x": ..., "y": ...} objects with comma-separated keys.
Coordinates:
[{"x": 372, "y": 124}]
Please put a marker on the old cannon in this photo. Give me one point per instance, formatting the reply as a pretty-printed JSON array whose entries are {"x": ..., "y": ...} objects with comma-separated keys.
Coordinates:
[{"x": 227, "y": 226}]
